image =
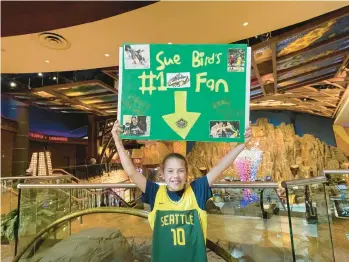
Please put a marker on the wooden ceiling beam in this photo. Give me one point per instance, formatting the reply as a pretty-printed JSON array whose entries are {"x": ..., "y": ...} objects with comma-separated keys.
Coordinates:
[
  {"x": 334, "y": 84},
  {"x": 342, "y": 52},
  {"x": 319, "y": 91},
  {"x": 307, "y": 82},
  {"x": 275, "y": 75},
  {"x": 324, "y": 102},
  {"x": 30, "y": 102},
  {"x": 58, "y": 87},
  {"x": 310, "y": 72},
  {"x": 103, "y": 103},
  {"x": 74, "y": 101},
  {"x": 256, "y": 72},
  {"x": 344, "y": 96},
  {"x": 345, "y": 60},
  {"x": 107, "y": 93}
]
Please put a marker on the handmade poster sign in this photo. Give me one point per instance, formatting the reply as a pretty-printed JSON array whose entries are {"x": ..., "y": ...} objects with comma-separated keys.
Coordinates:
[{"x": 184, "y": 92}]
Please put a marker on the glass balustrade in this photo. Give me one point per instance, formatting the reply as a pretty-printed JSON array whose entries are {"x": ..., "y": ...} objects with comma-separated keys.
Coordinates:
[
  {"x": 9, "y": 203},
  {"x": 306, "y": 220},
  {"x": 244, "y": 222},
  {"x": 337, "y": 194},
  {"x": 309, "y": 221}
]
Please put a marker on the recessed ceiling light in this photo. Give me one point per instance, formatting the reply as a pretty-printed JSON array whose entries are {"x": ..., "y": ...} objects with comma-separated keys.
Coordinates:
[
  {"x": 106, "y": 55},
  {"x": 245, "y": 24},
  {"x": 47, "y": 61},
  {"x": 54, "y": 78},
  {"x": 13, "y": 84},
  {"x": 39, "y": 74}
]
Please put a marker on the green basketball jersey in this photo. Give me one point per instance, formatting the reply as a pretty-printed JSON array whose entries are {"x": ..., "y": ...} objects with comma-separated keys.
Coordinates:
[{"x": 178, "y": 228}]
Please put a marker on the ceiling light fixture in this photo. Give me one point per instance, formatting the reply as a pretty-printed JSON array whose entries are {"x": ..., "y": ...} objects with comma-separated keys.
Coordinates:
[
  {"x": 245, "y": 24},
  {"x": 47, "y": 61},
  {"x": 106, "y": 55},
  {"x": 13, "y": 84},
  {"x": 54, "y": 78},
  {"x": 39, "y": 74}
]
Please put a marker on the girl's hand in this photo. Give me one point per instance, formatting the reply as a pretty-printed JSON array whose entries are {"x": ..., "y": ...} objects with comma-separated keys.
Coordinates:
[
  {"x": 117, "y": 130},
  {"x": 248, "y": 134}
]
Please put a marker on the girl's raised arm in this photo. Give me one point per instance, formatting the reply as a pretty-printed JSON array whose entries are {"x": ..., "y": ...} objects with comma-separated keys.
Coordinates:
[
  {"x": 126, "y": 162},
  {"x": 228, "y": 159}
]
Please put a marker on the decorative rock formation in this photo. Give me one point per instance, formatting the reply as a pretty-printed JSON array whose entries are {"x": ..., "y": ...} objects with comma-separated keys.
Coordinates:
[
  {"x": 97, "y": 244},
  {"x": 286, "y": 156}
]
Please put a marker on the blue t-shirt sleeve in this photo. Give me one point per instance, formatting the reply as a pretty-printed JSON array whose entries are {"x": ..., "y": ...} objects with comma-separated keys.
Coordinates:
[
  {"x": 202, "y": 191},
  {"x": 150, "y": 193}
]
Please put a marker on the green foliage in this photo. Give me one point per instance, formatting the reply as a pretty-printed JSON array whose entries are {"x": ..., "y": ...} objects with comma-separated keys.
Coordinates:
[
  {"x": 36, "y": 212},
  {"x": 7, "y": 225}
]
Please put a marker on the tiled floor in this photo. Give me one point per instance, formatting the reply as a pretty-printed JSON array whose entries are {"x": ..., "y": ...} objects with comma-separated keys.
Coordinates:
[{"x": 254, "y": 238}]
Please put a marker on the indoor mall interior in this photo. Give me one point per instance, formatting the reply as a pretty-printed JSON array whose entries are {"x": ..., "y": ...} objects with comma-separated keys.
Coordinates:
[{"x": 81, "y": 78}]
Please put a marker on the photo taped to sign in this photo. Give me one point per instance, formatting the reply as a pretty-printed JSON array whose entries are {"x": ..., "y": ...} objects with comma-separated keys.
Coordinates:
[
  {"x": 236, "y": 60},
  {"x": 136, "y": 125},
  {"x": 178, "y": 80},
  {"x": 137, "y": 56},
  {"x": 224, "y": 129}
]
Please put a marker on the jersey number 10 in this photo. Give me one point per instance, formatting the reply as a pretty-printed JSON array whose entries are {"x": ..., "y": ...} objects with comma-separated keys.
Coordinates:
[{"x": 178, "y": 236}]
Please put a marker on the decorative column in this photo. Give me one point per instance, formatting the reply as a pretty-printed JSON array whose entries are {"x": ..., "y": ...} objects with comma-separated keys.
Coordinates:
[
  {"x": 92, "y": 138},
  {"x": 20, "y": 155}
]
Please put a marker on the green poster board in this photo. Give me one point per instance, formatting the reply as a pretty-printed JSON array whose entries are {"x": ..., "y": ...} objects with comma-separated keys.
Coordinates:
[{"x": 184, "y": 92}]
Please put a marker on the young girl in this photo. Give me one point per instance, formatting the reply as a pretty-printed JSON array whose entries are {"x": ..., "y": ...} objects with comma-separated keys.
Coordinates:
[{"x": 178, "y": 217}]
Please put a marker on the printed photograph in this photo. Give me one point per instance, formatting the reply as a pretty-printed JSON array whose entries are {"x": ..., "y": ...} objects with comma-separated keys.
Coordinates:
[
  {"x": 224, "y": 129},
  {"x": 236, "y": 60},
  {"x": 178, "y": 80},
  {"x": 136, "y": 125},
  {"x": 137, "y": 56}
]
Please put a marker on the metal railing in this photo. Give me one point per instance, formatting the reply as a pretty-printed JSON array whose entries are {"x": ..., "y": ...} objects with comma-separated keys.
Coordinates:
[
  {"x": 337, "y": 171},
  {"x": 132, "y": 185},
  {"x": 87, "y": 186},
  {"x": 220, "y": 185},
  {"x": 304, "y": 182},
  {"x": 89, "y": 171}
]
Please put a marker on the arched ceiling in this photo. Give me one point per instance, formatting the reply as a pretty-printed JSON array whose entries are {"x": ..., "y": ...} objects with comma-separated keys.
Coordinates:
[
  {"x": 84, "y": 46},
  {"x": 17, "y": 16}
]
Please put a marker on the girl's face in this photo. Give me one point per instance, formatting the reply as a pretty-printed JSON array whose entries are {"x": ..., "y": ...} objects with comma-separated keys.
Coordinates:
[{"x": 175, "y": 174}]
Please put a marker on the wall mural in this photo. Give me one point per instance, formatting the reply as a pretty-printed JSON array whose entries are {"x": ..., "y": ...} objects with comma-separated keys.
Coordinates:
[
  {"x": 310, "y": 67},
  {"x": 313, "y": 54},
  {"x": 309, "y": 76},
  {"x": 321, "y": 33}
]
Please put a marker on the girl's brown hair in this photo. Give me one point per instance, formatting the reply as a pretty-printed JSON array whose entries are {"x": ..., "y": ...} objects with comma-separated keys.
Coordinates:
[{"x": 177, "y": 156}]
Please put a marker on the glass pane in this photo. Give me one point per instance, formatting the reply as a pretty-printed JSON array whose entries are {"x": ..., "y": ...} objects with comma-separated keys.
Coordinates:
[
  {"x": 96, "y": 237},
  {"x": 338, "y": 199},
  {"x": 238, "y": 221},
  {"x": 246, "y": 229},
  {"x": 310, "y": 227},
  {"x": 39, "y": 208}
]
